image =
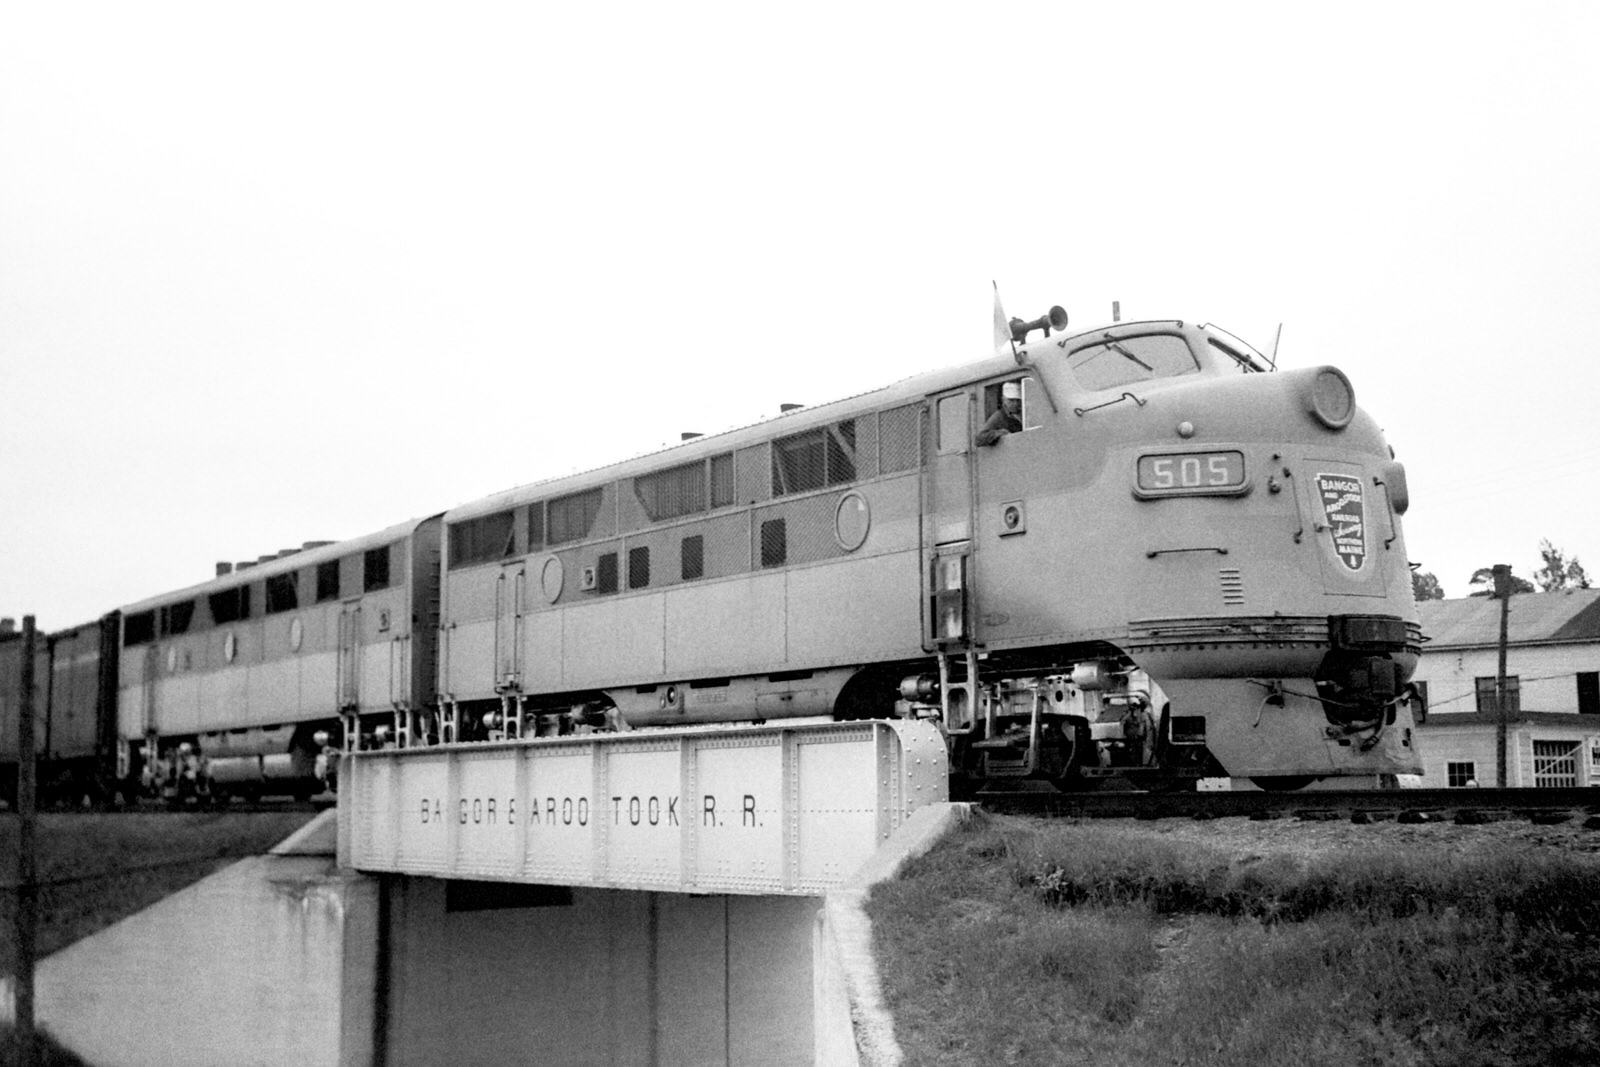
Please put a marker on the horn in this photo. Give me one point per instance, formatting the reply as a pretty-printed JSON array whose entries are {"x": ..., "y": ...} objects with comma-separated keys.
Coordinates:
[{"x": 1055, "y": 320}]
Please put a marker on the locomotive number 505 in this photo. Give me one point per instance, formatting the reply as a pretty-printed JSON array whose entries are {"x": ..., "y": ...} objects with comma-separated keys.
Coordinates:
[{"x": 1179, "y": 474}]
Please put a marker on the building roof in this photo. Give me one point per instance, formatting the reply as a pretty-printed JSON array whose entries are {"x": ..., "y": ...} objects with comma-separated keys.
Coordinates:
[{"x": 1535, "y": 618}]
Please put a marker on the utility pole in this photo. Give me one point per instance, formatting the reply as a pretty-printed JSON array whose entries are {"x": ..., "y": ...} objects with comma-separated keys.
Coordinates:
[
  {"x": 1502, "y": 589},
  {"x": 27, "y": 870}
]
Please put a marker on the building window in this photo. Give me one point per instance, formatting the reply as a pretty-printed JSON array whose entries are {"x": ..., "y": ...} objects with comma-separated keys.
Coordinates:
[
  {"x": 605, "y": 573},
  {"x": 1555, "y": 764},
  {"x": 375, "y": 573},
  {"x": 282, "y": 594},
  {"x": 1485, "y": 692},
  {"x": 1422, "y": 701},
  {"x": 693, "y": 557},
  {"x": 774, "y": 543},
  {"x": 328, "y": 581},
  {"x": 491, "y": 537},
  {"x": 1460, "y": 775},
  {"x": 638, "y": 568},
  {"x": 814, "y": 459},
  {"x": 1588, "y": 693},
  {"x": 571, "y": 517}
]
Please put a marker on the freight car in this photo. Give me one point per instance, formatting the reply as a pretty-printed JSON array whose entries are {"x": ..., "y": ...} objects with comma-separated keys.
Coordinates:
[
  {"x": 1122, "y": 552},
  {"x": 74, "y": 703}
]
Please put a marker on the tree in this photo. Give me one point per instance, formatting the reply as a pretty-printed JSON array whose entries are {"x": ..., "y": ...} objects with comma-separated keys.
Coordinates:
[
  {"x": 1484, "y": 576},
  {"x": 1424, "y": 586},
  {"x": 1559, "y": 572}
]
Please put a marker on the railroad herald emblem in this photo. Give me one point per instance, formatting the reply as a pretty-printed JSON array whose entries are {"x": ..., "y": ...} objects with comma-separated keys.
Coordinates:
[{"x": 1346, "y": 517}]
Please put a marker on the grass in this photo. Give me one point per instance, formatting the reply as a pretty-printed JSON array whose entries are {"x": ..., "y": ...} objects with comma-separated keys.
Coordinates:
[
  {"x": 96, "y": 869},
  {"x": 1016, "y": 942}
]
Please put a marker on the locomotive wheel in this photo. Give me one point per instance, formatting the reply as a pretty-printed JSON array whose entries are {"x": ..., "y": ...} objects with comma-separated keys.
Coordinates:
[{"x": 1069, "y": 780}]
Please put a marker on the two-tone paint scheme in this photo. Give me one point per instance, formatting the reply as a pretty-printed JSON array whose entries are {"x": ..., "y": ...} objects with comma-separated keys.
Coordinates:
[
  {"x": 247, "y": 681},
  {"x": 1180, "y": 563}
]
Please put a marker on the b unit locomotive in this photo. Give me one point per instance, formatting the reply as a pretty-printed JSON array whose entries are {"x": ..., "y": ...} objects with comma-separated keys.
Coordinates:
[{"x": 1127, "y": 551}]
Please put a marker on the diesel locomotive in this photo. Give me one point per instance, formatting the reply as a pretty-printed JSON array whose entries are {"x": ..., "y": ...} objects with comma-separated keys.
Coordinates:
[{"x": 1126, "y": 552}]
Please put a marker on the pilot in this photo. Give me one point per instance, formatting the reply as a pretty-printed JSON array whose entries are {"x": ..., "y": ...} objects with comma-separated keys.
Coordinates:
[{"x": 1007, "y": 419}]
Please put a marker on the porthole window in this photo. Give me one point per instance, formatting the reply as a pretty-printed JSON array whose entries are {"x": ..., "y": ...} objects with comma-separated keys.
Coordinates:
[
  {"x": 551, "y": 575},
  {"x": 851, "y": 521},
  {"x": 296, "y": 635}
]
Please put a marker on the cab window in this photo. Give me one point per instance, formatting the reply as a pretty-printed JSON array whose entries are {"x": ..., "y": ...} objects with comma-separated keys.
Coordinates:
[{"x": 1030, "y": 401}]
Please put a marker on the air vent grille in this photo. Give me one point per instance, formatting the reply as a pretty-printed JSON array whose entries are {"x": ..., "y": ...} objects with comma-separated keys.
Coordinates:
[{"x": 1232, "y": 586}]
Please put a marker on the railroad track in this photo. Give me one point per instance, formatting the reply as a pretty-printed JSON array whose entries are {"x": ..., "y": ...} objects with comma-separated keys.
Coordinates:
[{"x": 1361, "y": 805}]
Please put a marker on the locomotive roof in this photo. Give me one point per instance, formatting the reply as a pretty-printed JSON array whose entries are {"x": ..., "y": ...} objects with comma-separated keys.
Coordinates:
[
  {"x": 906, "y": 390},
  {"x": 283, "y": 564}
]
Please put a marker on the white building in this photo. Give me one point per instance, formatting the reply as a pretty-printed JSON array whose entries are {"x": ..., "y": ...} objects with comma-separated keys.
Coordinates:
[{"x": 1552, "y": 690}]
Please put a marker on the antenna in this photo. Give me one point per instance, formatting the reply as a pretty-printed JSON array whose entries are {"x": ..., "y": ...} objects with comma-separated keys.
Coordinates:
[{"x": 1272, "y": 360}]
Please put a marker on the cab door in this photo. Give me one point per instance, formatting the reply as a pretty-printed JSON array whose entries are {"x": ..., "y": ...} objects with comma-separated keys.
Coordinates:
[
  {"x": 948, "y": 490},
  {"x": 509, "y": 604}
]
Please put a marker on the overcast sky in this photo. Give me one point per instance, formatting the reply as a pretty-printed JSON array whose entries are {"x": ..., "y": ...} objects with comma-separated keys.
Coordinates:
[{"x": 274, "y": 273}]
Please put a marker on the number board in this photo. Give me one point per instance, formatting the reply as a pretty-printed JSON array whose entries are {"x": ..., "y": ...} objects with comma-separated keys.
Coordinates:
[{"x": 1191, "y": 474}]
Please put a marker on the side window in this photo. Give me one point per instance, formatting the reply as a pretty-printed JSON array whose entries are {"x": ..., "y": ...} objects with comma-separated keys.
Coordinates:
[
  {"x": 281, "y": 593},
  {"x": 230, "y": 605},
  {"x": 693, "y": 557},
  {"x": 814, "y": 459},
  {"x": 175, "y": 618},
  {"x": 999, "y": 419},
  {"x": 535, "y": 526},
  {"x": 1031, "y": 400},
  {"x": 479, "y": 540},
  {"x": 638, "y": 567},
  {"x": 774, "y": 543},
  {"x": 138, "y": 628},
  {"x": 952, "y": 424},
  {"x": 605, "y": 573},
  {"x": 328, "y": 581},
  {"x": 572, "y": 516},
  {"x": 376, "y": 569},
  {"x": 722, "y": 480}
]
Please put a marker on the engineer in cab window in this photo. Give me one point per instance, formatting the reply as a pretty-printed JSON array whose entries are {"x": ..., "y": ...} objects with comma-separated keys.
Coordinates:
[{"x": 1007, "y": 417}]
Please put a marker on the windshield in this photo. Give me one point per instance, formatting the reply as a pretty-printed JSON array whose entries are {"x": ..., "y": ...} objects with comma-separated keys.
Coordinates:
[
  {"x": 1241, "y": 355},
  {"x": 1112, "y": 362}
]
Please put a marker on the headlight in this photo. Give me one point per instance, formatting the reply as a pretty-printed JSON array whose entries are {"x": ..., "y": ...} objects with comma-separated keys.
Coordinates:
[{"x": 1330, "y": 398}]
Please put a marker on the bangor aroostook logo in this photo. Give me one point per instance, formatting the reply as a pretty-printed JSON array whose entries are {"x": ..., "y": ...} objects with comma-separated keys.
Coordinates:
[{"x": 1347, "y": 519}]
